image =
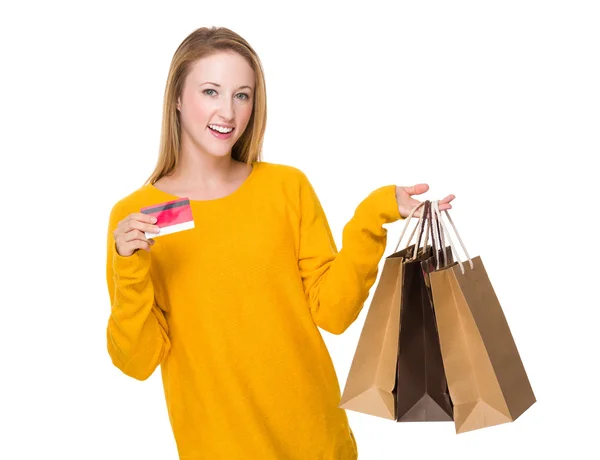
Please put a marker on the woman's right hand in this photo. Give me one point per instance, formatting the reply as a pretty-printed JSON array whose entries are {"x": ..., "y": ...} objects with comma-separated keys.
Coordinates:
[{"x": 129, "y": 234}]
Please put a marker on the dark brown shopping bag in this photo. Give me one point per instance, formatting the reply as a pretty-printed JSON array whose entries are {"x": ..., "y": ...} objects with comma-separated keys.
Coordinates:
[
  {"x": 421, "y": 389},
  {"x": 370, "y": 384},
  {"x": 486, "y": 377}
]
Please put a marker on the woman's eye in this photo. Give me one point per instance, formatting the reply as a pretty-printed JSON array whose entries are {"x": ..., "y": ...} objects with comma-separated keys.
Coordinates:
[{"x": 244, "y": 95}]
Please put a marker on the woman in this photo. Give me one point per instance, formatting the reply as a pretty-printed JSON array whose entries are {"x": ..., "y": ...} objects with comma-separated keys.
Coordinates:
[{"x": 230, "y": 308}]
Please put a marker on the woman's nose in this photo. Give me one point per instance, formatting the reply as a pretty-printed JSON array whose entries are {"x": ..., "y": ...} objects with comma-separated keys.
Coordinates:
[{"x": 226, "y": 110}]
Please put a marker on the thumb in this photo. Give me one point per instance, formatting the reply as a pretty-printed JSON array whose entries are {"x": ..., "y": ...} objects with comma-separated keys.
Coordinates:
[{"x": 418, "y": 189}]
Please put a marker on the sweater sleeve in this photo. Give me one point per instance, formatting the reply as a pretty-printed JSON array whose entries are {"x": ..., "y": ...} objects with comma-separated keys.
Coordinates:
[
  {"x": 137, "y": 331},
  {"x": 337, "y": 284}
]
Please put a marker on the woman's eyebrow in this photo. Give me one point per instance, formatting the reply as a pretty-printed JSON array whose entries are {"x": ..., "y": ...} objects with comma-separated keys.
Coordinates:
[{"x": 216, "y": 84}]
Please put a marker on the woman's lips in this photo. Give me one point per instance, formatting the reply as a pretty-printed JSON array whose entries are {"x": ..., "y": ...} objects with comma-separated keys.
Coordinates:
[{"x": 219, "y": 135}]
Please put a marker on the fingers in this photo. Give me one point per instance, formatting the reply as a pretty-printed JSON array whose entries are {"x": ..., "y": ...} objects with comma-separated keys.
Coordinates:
[
  {"x": 406, "y": 204},
  {"x": 448, "y": 199},
  {"x": 139, "y": 244},
  {"x": 127, "y": 248},
  {"x": 141, "y": 217},
  {"x": 131, "y": 225},
  {"x": 129, "y": 234},
  {"x": 150, "y": 243},
  {"x": 133, "y": 235},
  {"x": 444, "y": 204}
]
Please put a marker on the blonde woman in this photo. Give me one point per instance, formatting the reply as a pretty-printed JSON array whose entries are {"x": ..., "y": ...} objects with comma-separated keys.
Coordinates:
[{"x": 231, "y": 308}]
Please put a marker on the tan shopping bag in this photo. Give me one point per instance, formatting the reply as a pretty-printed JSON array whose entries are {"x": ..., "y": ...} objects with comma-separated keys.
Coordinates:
[
  {"x": 370, "y": 384},
  {"x": 486, "y": 377}
]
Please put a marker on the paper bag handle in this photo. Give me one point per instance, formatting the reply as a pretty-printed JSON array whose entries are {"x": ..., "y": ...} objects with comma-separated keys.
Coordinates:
[
  {"x": 445, "y": 231},
  {"x": 421, "y": 224},
  {"x": 408, "y": 221},
  {"x": 433, "y": 228}
]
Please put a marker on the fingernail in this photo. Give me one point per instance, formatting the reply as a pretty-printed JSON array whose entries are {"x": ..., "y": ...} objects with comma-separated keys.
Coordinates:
[{"x": 154, "y": 219}]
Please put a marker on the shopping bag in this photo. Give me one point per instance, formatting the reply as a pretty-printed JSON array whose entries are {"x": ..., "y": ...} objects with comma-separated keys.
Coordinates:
[
  {"x": 421, "y": 389},
  {"x": 487, "y": 381},
  {"x": 371, "y": 380}
]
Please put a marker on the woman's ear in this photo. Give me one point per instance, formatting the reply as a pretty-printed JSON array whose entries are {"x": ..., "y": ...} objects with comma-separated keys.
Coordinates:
[{"x": 179, "y": 104}]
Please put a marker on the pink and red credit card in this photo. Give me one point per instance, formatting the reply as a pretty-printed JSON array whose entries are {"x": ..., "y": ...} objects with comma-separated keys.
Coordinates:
[{"x": 172, "y": 216}]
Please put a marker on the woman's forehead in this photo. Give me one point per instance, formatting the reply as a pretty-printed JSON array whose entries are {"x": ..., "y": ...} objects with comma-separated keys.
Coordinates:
[{"x": 223, "y": 68}]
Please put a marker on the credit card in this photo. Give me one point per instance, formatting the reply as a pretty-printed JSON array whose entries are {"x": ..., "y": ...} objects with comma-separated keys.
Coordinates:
[{"x": 172, "y": 216}]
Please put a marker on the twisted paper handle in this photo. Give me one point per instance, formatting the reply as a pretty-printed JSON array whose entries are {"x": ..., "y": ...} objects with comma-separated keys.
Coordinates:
[
  {"x": 436, "y": 210},
  {"x": 408, "y": 220},
  {"x": 436, "y": 231}
]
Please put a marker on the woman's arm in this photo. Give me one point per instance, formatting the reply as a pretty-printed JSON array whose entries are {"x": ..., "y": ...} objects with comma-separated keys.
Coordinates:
[
  {"x": 338, "y": 283},
  {"x": 137, "y": 331}
]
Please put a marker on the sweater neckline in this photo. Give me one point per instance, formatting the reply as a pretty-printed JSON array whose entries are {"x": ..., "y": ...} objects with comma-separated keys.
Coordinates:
[{"x": 238, "y": 191}]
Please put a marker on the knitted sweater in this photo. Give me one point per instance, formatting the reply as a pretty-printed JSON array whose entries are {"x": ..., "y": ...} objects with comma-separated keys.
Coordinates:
[{"x": 230, "y": 310}]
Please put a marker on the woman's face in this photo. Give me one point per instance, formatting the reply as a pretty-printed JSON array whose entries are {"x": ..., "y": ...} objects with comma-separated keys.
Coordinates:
[{"x": 219, "y": 90}]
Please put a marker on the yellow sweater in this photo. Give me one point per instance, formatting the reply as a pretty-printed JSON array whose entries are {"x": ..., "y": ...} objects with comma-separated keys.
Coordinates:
[{"x": 230, "y": 311}]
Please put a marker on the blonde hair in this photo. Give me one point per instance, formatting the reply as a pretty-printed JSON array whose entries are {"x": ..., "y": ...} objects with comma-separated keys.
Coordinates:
[{"x": 201, "y": 43}]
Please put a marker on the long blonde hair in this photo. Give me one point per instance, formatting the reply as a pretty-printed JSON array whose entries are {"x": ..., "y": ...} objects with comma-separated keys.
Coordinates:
[{"x": 201, "y": 43}]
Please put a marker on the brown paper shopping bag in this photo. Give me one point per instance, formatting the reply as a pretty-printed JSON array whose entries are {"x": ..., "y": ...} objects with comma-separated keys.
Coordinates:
[
  {"x": 373, "y": 386},
  {"x": 372, "y": 377},
  {"x": 421, "y": 389},
  {"x": 486, "y": 377},
  {"x": 372, "y": 373}
]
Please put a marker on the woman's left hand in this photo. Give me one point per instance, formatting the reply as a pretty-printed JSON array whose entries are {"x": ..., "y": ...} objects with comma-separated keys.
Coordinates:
[{"x": 406, "y": 203}]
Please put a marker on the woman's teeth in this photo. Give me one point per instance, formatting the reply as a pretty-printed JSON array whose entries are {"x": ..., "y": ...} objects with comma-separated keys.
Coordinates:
[{"x": 220, "y": 129}]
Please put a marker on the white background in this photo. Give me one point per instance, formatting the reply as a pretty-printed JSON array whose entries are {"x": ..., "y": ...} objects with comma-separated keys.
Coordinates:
[{"x": 496, "y": 102}]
